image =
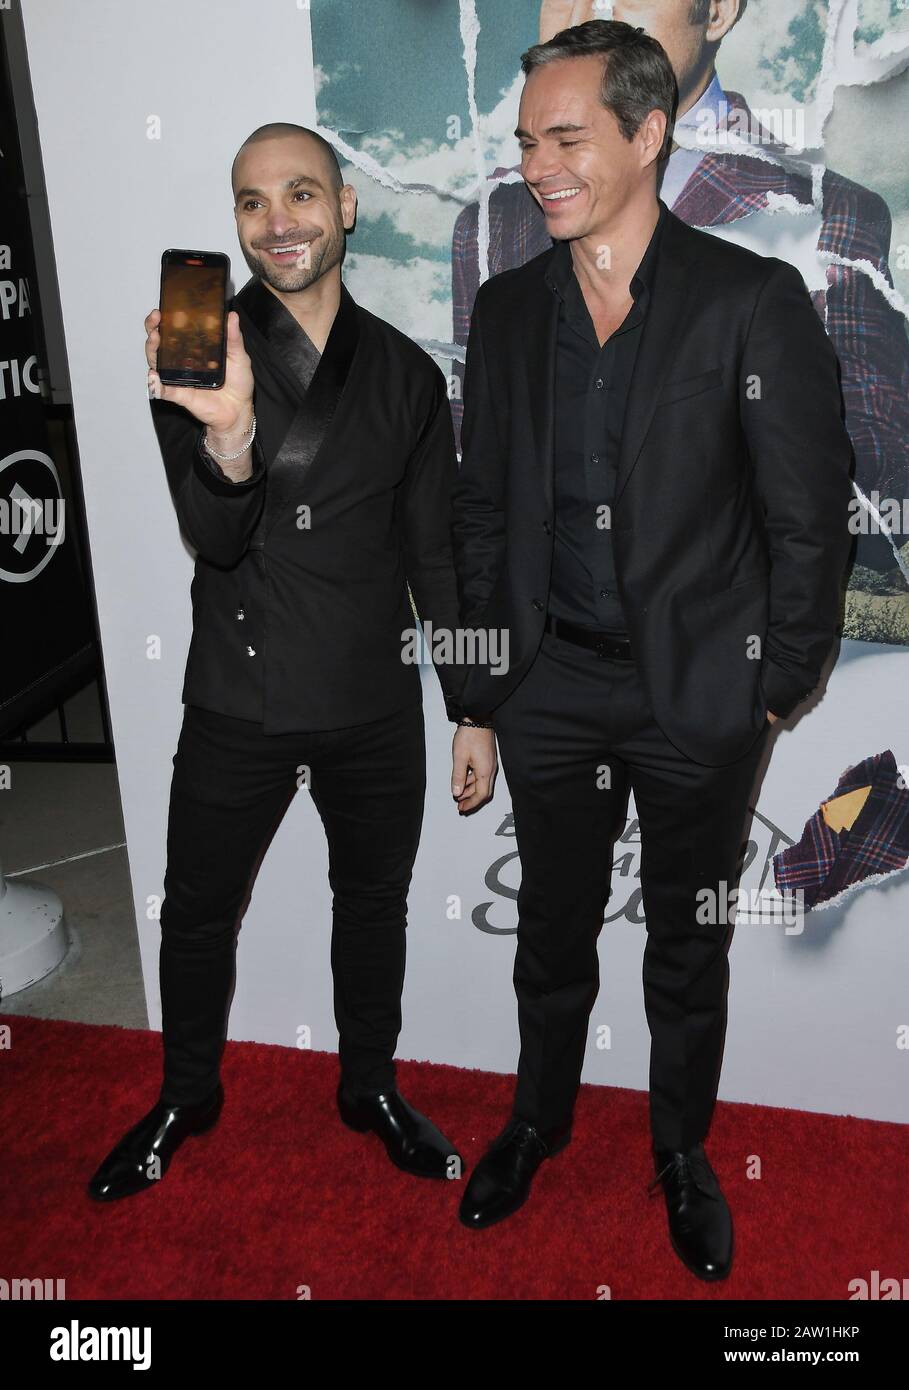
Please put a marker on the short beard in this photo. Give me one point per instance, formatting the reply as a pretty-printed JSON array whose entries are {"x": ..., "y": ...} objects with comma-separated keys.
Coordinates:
[{"x": 293, "y": 278}]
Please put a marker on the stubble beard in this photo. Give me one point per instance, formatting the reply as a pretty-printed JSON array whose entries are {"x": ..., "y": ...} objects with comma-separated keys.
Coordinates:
[{"x": 324, "y": 253}]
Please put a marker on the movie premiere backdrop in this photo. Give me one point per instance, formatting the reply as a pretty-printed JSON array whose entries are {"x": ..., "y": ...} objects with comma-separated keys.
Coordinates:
[{"x": 797, "y": 151}]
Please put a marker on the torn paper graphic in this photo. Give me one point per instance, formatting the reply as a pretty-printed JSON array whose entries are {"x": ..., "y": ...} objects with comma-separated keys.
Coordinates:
[
  {"x": 424, "y": 107},
  {"x": 858, "y": 837}
]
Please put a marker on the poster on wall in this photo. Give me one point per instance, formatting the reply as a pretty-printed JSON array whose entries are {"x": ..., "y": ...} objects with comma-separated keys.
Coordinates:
[
  {"x": 46, "y": 631},
  {"x": 427, "y": 140},
  {"x": 782, "y": 152},
  {"x": 790, "y": 142}
]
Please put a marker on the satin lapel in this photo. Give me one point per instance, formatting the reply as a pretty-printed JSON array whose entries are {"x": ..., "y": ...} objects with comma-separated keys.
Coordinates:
[
  {"x": 315, "y": 404},
  {"x": 673, "y": 286},
  {"x": 540, "y": 325},
  {"x": 291, "y": 354}
]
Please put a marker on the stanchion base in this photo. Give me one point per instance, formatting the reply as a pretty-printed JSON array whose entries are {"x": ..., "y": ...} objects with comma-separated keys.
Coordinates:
[{"x": 32, "y": 936}]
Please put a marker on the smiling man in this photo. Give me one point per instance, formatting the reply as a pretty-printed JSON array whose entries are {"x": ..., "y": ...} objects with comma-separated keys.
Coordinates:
[
  {"x": 653, "y": 503},
  {"x": 315, "y": 487},
  {"x": 718, "y": 184}
]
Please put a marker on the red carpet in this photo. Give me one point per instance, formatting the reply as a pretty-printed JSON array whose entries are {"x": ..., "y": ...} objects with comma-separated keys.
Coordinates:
[{"x": 280, "y": 1194}]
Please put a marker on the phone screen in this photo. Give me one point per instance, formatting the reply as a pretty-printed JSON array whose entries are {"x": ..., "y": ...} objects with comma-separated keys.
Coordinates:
[{"x": 193, "y": 317}]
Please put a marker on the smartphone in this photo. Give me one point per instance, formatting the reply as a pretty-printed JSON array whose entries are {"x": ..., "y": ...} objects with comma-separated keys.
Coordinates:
[{"x": 193, "y": 304}]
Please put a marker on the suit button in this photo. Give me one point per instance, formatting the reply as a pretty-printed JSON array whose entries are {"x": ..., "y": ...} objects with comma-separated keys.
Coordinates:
[
  {"x": 547, "y": 528},
  {"x": 240, "y": 615},
  {"x": 250, "y": 651},
  {"x": 538, "y": 605}
]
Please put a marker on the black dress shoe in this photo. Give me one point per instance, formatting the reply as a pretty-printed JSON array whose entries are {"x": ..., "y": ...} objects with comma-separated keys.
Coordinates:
[
  {"x": 412, "y": 1142},
  {"x": 143, "y": 1155},
  {"x": 501, "y": 1180},
  {"x": 700, "y": 1222}
]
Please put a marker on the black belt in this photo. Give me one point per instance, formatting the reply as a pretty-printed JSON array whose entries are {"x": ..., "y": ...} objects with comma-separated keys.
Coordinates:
[{"x": 603, "y": 643}]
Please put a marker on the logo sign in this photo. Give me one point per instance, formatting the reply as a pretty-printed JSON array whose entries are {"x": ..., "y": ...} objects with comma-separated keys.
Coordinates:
[
  {"x": 31, "y": 514},
  {"x": 762, "y": 905}
]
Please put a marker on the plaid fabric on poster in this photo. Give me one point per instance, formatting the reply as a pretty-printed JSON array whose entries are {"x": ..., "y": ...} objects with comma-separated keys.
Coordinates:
[
  {"x": 826, "y": 863},
  {"x": 868, "y": 333}
]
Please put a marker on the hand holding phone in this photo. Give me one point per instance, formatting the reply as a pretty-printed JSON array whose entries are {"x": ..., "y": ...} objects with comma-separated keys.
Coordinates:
[
  {"x": 195, "y": 349},
  {"x": 227, "y": 410}
]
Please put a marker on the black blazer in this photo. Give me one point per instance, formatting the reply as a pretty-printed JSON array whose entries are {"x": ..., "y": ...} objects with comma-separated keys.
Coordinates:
[
  {"x": 730, "y": 515},
  {"x": 300, "y": 626}
]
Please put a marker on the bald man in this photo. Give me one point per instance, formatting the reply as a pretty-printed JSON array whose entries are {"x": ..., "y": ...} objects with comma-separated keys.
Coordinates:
[{"x": 314, "y": 486}]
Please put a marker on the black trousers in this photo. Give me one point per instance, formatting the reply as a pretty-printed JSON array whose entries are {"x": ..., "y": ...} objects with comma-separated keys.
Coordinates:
[
  {"x": 231, "y": 785},
  {"x": 574, "y": 735}
]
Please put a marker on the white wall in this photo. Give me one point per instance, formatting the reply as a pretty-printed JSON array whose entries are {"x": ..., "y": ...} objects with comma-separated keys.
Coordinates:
[{"x": 813, "y": 1018}]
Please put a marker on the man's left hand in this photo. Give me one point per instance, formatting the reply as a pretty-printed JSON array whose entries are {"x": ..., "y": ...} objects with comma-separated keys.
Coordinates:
[{"x": 473, "y": 767}]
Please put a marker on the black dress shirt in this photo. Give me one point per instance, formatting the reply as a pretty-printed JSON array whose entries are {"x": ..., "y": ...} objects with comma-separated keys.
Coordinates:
[
  {"x": 308, "y": 573},
  {"x": 591, "y": 390}
]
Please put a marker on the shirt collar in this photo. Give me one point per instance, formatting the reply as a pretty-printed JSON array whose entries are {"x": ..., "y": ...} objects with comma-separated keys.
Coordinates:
[
  {"x": 712, "y": 99},
  {"x": 560, "y": 270}
]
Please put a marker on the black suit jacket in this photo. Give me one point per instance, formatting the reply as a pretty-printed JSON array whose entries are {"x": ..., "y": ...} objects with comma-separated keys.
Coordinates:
[
  {"x": 730, "y": 517},
  {"x": 300, "y": 594}
]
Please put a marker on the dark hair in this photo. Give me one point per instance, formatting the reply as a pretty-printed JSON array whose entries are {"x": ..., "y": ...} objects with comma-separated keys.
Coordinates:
[
  {"x": 276, "y": 128},
  {"x": 701, "y": 8},
  {"x": 637, "y": 75}
]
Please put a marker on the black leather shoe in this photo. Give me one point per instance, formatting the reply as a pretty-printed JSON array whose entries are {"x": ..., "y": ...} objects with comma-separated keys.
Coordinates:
[
  {"x": 143, "y": 1155},
  {"x": 700, "y": 1222},
  {"x": 500, "y": 1183},
  {"x": 412, "y": 1142}
]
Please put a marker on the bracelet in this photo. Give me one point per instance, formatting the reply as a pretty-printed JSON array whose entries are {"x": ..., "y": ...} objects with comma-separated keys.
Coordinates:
[
  {"x": 468, "y": 723},
  {"x": 226, "y": 458}
]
